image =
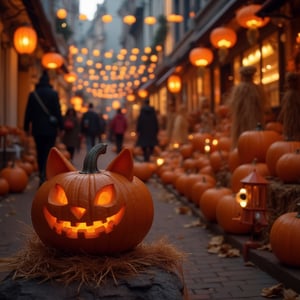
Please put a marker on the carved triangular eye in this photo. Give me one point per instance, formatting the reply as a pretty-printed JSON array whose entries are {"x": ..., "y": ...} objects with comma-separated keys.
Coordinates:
[
  {"x": 57, "y": 196},
  {"x": 105, "y": 196}
]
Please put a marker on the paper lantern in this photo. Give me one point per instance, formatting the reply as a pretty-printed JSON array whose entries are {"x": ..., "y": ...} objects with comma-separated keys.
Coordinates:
[
  {"x": 52, "y": 60},
  {"x": 70, "y": 77},
  {"x": 143, "y": 93},
  {"x": 174, "y": 18},
  {"x": 106, "y": 18},
  {"x": 61, "y": 13},
  {"x": 201, "y": 57},
  {"x": 150, "y": 20},
  {"x": 25, "y": 40},
  {"x": 223, "y": 38},
  {"x": 129, "y": 19},
  {"x": 246, "y": 18},
  {"x": 174, "y": 83}
]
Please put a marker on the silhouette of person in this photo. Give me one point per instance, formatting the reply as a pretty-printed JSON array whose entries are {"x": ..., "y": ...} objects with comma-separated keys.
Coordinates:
[
  {"x": 118, "y": 126},
  {"x": 147, "y": 129},
  {"x": 71, "y": 131},
  {"x": 90, "y": 127},
  {"x": 36, "y": 120}
]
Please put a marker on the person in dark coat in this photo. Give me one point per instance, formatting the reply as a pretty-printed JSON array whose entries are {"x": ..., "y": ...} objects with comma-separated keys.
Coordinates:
[
  {"x": 147, "y": 129},
  {"x": 36, "y": 120},
  {"x": 71, "y": 131},
  {"x": 90, "y": 127}
]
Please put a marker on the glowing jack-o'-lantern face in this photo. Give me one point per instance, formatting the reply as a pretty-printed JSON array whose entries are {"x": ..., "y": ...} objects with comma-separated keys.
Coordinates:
[{"x": 92, "y": 211}]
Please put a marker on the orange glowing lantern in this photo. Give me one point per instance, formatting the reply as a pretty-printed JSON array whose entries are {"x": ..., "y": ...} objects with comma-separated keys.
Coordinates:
[
  {"x": 52, "y": 60},
  {"x": 25, "y": 40},
  {"x": 143, "y": 93},
  {"x": 174, "y": 84},
  {"x": 130, "y": 98},
  {"x": 201, "y": 57},
  {"x": 61, "y": 13},
  {"x": 247, "y": 18},
  {"x": 150, "y": 20},
  {"x": 70, "y": 77},
  {"x": 223, "y": 38},
  {"x": 129, "y": 19},
  {"x": 106, "y": 18},
  {"x": 174, "y": 18}
]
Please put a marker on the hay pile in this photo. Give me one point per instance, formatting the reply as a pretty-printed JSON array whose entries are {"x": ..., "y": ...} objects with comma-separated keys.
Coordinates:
[{"x": 39, "y": 261}]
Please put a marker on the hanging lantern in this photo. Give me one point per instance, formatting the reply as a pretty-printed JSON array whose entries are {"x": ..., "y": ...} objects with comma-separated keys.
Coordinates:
[
  {"x": 116, "y": 104},
  {"x": 130, "y": 98},
  {"x": 223, "y": 38},
  {"x": 70, "y": 77},
  {"x": 61, "y": 13},
  {"x": 143, "y": 93},
  {"x": 201, "y": 57},
  {"x": 129, "y": 19},
  {"x": 174, "y": 18},
  {"x": 106, "y": 18},
  {"x": 150, "y": 20},
  {"x": 174, "y": 84},
  {"x": 246, "y": 17},
  {"x": 25, "y": 40},
  {"x": 52, "y": 60}
]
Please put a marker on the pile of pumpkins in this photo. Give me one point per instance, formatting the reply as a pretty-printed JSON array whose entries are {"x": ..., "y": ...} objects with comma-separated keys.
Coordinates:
[
  {"x": 15, "y": 172},
  {"x": 195, "y": 174}
]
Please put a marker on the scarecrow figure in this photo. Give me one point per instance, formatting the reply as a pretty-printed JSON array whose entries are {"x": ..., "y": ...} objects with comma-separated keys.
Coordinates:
[
  {"x": 247, "y": 104},
  {"x": 290, "y": 111}
]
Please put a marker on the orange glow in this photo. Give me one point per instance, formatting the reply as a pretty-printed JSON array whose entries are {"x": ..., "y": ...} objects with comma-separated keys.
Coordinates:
[
  {"x": 61, "y": 13},
  {"x": 223, "y": 37},
  {"x": 129, "y": 19},
  {"x": 174, "y": 83},
  {"x": 25, "y": 40},
  {"x": 81, "y": 229},
  {"x": 105, "y": 196},
  {"x": 201, "y": 57},
  {"x": 57, "y": 196},
  {"x": 52, "y": 60}
]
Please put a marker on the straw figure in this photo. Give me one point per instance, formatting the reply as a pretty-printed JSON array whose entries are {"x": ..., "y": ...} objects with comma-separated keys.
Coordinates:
[
  {"x": 247, "y": 104},
  {"x": 290, "y": 111}
]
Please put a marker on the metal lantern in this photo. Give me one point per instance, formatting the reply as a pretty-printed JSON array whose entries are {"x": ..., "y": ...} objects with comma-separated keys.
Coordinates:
[
  {"x": 201, "y": 57},
  {"x": 25, "y": 40},
  {"x": 52, "y": 60},
  {"x": 253, "y": 199},
  {"x": 174, "y": 84}
]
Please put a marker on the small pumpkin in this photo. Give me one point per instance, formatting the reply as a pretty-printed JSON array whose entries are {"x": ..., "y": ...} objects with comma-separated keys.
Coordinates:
[
  {"x": 253, "y": 144},
  {"x": 227, "y": 212},
  {"x": 288, "y": 167},
  {"x": 4, "y": 187},
  {"x": 143, "y": 170},
  {"x": 92, "y": 211},
  {"x": 16, "y": 177},
  {"x": 209, "y": 201},
  {"x": 284, "y": 238}
]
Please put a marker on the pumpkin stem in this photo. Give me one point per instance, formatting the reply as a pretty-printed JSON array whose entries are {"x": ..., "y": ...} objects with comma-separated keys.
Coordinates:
[
  {"x": 90, "y": 160},
  {"x": 259, "y": 126}
]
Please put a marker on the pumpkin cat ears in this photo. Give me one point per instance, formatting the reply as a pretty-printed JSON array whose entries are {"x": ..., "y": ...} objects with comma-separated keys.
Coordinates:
[{"x": 57, "y": 163}]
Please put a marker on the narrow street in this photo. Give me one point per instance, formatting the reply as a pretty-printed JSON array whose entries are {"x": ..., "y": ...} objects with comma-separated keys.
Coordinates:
[{"x": 207, "y": 276}]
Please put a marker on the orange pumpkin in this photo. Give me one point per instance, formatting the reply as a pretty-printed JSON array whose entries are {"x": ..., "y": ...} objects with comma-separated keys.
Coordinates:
[
  {"x": 92, "y": 211},
  {"x": 253, "y": 144},
  {"x": 226, "y": 213},
  {"x": 288, "y": 167},
  {"x": 4, "y": 187},
  {"x": 209, "y": 201},
  {"x": 200, "y": 186},
  {"x": 284, "y": 238},
  {"x": 143, "y": 170},
  {"x": 276, "y": 150},
  {"x": 16, "y": 177}
]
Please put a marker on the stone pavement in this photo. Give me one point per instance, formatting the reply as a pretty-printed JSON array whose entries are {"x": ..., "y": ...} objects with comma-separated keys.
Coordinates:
[{"x": 207, "y": 276}]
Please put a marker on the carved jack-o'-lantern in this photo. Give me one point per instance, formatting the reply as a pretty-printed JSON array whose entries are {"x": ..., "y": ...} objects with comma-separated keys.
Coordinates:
[{"x": 92, "y": 211}]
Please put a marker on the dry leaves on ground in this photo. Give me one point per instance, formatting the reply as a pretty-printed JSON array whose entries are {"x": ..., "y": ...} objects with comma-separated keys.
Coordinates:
[
  {"x": 218, "y": 246},
  {"x": 278, "y": 290}
]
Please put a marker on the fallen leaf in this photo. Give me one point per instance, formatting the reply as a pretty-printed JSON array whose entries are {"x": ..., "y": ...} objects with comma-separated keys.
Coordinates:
[
  {"x": 289, "y": 294},
  {"x": 273, "y": 291}
]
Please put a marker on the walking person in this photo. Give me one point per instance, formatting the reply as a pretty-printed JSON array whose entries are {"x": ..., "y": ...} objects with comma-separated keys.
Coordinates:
[
  {"x": 71, "y": 131},
  {"x": 90, "y": 127},
  {"x": 43, "y": 120},
  {"x": 118, "y": 126},
  {"x": 147, "y": 130}
]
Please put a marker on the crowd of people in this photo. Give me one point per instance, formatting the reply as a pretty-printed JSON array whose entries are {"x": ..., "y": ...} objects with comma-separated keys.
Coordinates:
[{"x": 246, "y": 102}]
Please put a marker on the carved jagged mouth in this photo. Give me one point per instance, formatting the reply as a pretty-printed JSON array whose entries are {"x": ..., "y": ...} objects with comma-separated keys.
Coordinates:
[{"x": 81, "y": 229}]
